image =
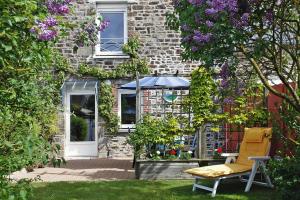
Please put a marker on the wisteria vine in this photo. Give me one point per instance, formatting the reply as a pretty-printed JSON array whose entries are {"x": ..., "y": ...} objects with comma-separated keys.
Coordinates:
[
  {"x": 47, "y": 29},
  {"x": 209, "y": 15},
  {"x": 87, "y": 33}
]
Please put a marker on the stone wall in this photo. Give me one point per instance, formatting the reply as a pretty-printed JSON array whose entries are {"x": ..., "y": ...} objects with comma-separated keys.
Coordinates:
[
  {"x": 60, "y": 138},
  {"x": 160, "y": 45},
  {"x": 115, "y": 147},
  {"x": 146, "y": 18}
]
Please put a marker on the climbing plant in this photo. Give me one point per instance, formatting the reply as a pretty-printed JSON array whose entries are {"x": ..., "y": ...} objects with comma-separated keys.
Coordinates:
[
  {"x": 106, "y": 103},
  {"x": 216, "y": 98},
  {"x": 203, "y": 90},
  {"x": 127, "y": 69}
]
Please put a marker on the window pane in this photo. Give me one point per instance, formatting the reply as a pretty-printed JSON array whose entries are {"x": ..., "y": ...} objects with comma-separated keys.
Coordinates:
[
  {"x": 112, "y": 38},
  {"x": 82, "y": 118},
  {"x": 128, "y": 109}
]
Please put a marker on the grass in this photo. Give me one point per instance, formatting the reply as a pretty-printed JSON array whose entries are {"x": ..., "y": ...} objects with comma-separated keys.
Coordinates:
[{"x": 145, "y": 190}]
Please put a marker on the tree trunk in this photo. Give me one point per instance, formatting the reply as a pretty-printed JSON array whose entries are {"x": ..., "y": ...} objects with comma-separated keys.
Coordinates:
[{"x": 201, "y": 143}]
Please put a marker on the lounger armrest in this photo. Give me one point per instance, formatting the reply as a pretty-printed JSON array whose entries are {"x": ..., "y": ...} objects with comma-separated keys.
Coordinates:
[
  {"x": 230, "y": 157},
  {"x": 259, "y": 158},
  {"x": 230, "y": 154}
]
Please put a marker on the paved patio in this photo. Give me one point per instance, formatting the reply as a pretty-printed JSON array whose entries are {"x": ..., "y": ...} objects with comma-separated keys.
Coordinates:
[{"x": 83, "y": 170}]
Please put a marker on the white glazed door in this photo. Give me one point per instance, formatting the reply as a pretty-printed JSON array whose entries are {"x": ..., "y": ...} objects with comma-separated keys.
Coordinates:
[{"x": 81, "y": 125}]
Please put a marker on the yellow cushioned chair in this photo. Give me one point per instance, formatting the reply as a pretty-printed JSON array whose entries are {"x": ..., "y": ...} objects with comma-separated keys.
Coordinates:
[{"x": 254, "y": 151}]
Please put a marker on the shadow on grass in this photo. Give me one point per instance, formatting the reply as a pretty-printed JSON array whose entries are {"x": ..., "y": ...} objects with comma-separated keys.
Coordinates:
[
  {"x": 228, "y": 189},
  {"x": 142, "y": 190}
]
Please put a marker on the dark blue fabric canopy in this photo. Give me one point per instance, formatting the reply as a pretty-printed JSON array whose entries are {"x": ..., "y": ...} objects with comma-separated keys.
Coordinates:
[{"x": 171, "y": 82}]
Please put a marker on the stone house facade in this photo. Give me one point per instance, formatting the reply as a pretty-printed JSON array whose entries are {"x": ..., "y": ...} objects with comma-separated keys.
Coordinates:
[{"x": 161, "y": 47}]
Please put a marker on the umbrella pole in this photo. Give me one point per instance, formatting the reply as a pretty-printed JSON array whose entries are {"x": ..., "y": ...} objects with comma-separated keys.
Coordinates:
[{"x": 138, "y": 101}]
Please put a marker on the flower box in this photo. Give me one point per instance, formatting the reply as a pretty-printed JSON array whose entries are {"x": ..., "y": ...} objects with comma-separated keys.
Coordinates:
[{"x": 169, "y": 169}]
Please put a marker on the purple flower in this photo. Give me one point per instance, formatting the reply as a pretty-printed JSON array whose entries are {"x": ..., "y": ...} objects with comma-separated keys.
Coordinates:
[
  {"x": 32, "y": 30},
  {"x": 232, "y": 5},
  {"x": 185, "y": 27},
  {"x": 63, "y": 9},
  {"x": 50, "y": 21},
  {"x": 103, "y": 25},
  {"x": 194, "y": 48},
  {"x": 41, "y": 25},
  {"x": 228, "y": 100},
  {"x": 47, "y": 35},
  {"x": 209, "y": 23},
  {"x": 196, "y": 2},
  {"x": 245, "y": 19},
  {"x": 235, "y": 20},
  {"x": 201, "y": 38},
  {"x": 58, "y": 7},
  {"x": 186, "y": 39},
  {"x": 211, "y": 11},
  {"x": 45, "y": 30},
  {"x": 218, "y": 5},
  {"x": 221, "y": 5},
  {"x": 224, "y": 83},
  {"x": 224, "y": 73}
]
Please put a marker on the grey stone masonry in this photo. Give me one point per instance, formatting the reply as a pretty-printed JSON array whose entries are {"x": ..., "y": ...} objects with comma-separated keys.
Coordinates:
[
  {"x": 115, "y": 147},
  {"x": 147, "y": 19},
  {"x": 160, "y": 46}
]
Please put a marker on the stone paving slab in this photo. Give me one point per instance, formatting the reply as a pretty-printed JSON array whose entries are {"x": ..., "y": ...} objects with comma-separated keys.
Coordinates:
[{"x": 82, "y": 170}]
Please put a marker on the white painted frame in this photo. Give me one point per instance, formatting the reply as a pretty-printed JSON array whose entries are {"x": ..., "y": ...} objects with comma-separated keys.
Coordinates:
[
  {"x": 259, "y": 162},
  {"x": 112, "y": 8},
  {"x": 114, "y": 1},
  {"x": 120, "y": 92},
  {"x": 89, "y": 145}
]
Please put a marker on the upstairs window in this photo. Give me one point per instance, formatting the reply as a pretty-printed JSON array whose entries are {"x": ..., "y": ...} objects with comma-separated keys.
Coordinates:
[{"x": 114, "y": 36}]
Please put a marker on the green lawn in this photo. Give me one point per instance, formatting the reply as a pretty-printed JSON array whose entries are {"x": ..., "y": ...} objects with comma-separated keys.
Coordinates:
[{"x": 145, "y": 190}]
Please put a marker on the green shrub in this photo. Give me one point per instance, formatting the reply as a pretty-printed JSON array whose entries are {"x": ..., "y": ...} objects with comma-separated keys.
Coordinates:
[
  {"x": 31, "y": 73},
  {"x": 285, "y": 173},
  {"x": 153, "y": 131}
]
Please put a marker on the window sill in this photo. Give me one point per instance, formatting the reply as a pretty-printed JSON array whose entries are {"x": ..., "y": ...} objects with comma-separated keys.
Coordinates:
[
  {"x": 114, "y": 1},
  {"x": 96, "y": 56},
  {"x": 125, "y": 130}
]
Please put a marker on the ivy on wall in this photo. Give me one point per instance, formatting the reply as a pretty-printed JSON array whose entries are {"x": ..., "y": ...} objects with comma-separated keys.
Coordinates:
[
  {"x": 124, "y": 70},
  {"x": 106, "y": 103}
]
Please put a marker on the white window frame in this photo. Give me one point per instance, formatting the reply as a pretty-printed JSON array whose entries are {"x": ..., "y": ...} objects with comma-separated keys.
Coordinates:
[
  {"x": 120, "y": 92},
  {"x": 111, "y": 8}
]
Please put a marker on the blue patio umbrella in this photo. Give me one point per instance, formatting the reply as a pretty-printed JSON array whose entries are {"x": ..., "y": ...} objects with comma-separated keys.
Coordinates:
[{"x": 171, "y": 82}]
